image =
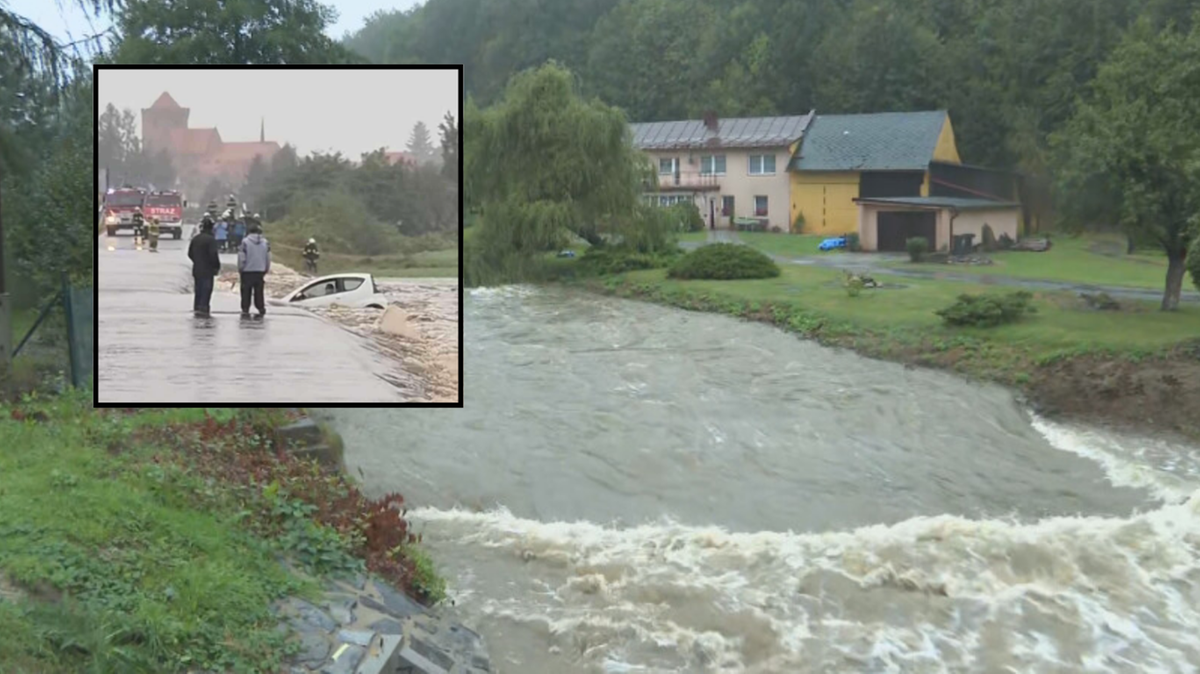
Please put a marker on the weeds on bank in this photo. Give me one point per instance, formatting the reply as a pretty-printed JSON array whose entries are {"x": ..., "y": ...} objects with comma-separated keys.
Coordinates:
[
  {"x": 314, "y": 512},
  {"x": 150, "y": 540},
  {"x": 115, "y": 576}
]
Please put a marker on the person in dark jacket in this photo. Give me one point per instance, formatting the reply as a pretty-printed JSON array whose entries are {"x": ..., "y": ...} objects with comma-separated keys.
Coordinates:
[{"x": 206, "y": 263}]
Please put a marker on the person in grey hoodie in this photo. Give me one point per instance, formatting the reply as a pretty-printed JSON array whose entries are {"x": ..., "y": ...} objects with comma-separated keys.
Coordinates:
[{"x": 254, "y": 261}]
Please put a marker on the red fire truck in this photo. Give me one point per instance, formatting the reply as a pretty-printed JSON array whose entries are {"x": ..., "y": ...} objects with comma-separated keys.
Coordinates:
[
  {"x": 168, "y": 207},
  {"x": 119, "y": 204}
]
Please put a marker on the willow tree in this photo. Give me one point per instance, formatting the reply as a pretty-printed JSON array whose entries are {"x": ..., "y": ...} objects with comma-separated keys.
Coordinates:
[
  {"x": 1133, "y": 146},
  {"x": 545, "y": 163}
]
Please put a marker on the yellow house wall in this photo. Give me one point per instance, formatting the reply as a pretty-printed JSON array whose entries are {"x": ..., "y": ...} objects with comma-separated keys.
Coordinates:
[
  {"x": 827, "y": 201},
  {"x": 946, "y": 150}
]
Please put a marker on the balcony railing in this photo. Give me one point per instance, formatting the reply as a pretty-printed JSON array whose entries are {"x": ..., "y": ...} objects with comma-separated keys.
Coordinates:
[{"x": 688, "y": 180}]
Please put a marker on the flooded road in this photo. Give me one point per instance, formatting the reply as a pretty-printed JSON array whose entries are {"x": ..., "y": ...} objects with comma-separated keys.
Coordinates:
[
  {"x": 634, "y": 488},
  {"x": 150, "y": 348}
]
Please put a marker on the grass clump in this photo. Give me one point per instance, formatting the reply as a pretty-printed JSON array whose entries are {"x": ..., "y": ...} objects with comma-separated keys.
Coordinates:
[
  {"x": 987, "y": 311},
  {"x": 724, "y": 261}
]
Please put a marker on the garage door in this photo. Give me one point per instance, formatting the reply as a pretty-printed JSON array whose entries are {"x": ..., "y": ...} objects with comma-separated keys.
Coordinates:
[{"x": 896, "y": 227}]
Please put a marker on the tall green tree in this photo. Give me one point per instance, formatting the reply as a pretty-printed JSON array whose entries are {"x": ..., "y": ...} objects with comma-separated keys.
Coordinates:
[
  {"x": 450, "y": 134},
  {"x": 420, "y": 145},
  {"x": 1133, "y": 145},
  {"x": 220, "y": 31},
  {"x": 529, "y": 182}
]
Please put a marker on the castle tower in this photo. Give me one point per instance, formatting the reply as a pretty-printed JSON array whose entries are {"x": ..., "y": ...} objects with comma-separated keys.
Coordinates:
[{"x": 164, "y": 116}]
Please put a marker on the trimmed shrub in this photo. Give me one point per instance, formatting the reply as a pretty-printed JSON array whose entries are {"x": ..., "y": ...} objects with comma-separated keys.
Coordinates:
[
  {"x": 688, "y": 217},
  {"x": 1193, "y": 261},
  {"x": 604, "y": 261},
  {"x": 989, "y": 239},
  {"x": 852, "y": 243},
  {"x": 917, "y": 247},
  {"x": 724, "y": 261},
  {"x": 988, "y": 311},
  {"x": 798, "y": 223}
]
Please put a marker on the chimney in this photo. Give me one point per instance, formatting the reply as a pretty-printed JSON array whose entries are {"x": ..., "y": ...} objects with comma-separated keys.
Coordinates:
[
  {"x": 710, "y": 120},
  {"x": 262, "y": 130}
]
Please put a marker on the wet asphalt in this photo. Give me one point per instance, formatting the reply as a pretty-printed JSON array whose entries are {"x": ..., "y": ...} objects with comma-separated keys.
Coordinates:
[{"x": 152, "y": 349}]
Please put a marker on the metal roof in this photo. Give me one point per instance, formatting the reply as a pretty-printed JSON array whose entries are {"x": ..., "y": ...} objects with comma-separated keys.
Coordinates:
[
  {"x": 735, "y": 132},
  {"x": 960, "y": 203},
  {"x": 870, "y": 142}
]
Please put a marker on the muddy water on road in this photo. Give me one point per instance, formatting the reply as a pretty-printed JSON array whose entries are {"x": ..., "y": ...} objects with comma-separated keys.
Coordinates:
[{"x": 633, "y": 488}]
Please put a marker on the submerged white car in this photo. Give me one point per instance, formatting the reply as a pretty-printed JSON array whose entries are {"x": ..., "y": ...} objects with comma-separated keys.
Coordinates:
[{"x": 351, "y": 290}]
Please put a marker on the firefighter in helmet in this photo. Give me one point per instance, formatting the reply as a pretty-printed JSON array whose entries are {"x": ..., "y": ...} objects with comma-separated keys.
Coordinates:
[
  {"x": 311, "y": 254},
  {"x": 153, "y": 229},
  {"x": 138, "y": 222}
]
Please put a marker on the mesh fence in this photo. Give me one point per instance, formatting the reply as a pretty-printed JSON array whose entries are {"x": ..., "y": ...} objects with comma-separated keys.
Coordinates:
[{"x": 80, "y": 306}]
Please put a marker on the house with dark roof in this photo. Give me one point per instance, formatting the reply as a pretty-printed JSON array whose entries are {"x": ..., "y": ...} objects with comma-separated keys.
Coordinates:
[
  {"x": 728, "y": 168},
  {"x": 886, "y": 176},
  {"x": 844, "y": 157}
]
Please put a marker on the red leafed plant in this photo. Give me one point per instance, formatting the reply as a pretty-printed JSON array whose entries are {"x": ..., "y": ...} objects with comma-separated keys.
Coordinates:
[{"x": 238, "y": 454}]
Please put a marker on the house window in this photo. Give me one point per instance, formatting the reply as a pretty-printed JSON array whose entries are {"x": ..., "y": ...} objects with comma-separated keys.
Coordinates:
[
  {"x": 760, "y": 206},
  {"x": 762, "y": 164},
  {"x": 727, "y": 205},
  {"x": 668, "y": 166},
  {"x": 712, "y": 165}
]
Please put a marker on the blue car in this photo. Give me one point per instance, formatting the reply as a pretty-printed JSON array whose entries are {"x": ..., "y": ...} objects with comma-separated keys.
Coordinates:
[{"x": 830, "y": 244}]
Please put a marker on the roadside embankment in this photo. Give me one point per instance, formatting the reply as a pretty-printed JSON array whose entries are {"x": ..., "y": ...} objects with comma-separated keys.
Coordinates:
[
  {"x": 1137, "y": 368},
  {"x": 203, "y": 541}
]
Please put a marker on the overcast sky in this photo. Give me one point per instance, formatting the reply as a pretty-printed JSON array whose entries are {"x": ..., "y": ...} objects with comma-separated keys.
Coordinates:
[
  {"x": 64, "y": 20},
  {"x": 352, "y": 111}
]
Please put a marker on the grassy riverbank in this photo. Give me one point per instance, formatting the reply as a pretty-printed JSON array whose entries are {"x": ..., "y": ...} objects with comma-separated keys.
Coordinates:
[
  {"x": 1137, "y": 366},
  {"x": 151, "y": 540},
  {"x": 425, "y": 264}
]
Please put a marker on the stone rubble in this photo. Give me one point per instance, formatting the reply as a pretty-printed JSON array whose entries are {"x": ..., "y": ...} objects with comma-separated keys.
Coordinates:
[{"x": 364, "y": 626}]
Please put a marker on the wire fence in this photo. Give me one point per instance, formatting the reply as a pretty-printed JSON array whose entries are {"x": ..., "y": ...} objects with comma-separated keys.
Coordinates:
[{"x": 71, "y": 314}]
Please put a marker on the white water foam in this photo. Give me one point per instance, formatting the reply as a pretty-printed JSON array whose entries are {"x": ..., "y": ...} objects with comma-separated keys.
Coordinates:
[
  {"x": 1169, "y": 471},
  {"x": 928, "y": 594}
]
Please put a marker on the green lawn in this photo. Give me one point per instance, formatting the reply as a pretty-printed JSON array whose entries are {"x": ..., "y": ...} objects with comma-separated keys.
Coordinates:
[
  {"x": 125, "y": 575},
  {"x": 1061, "y": 322},
  {"x": 1074, "y": 259},
  {"x": 787, "y": 245}
]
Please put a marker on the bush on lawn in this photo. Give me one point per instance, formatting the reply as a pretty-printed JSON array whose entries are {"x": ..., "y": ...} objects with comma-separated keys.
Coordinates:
[
  {"x": 798, "y": 223},
  {"x": 724, "y": 261},
  {"x": 1193, "y": 261},
  {"x": 852, "y": 243},
  {"x": 990, "y": 244},
  {"x": 688, "y": 217},
  {"x": 604, "y": 261},
  {"x": 917, "y": 247},
  {"x": 987, "y": 311}
]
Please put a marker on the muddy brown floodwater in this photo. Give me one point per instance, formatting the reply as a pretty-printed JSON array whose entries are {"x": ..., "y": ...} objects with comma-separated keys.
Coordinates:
[{"x": 635, "y": 488}]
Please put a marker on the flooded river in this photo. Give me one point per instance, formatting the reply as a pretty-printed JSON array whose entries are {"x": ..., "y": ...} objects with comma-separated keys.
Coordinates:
[{"x": 633, "y": 488}]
